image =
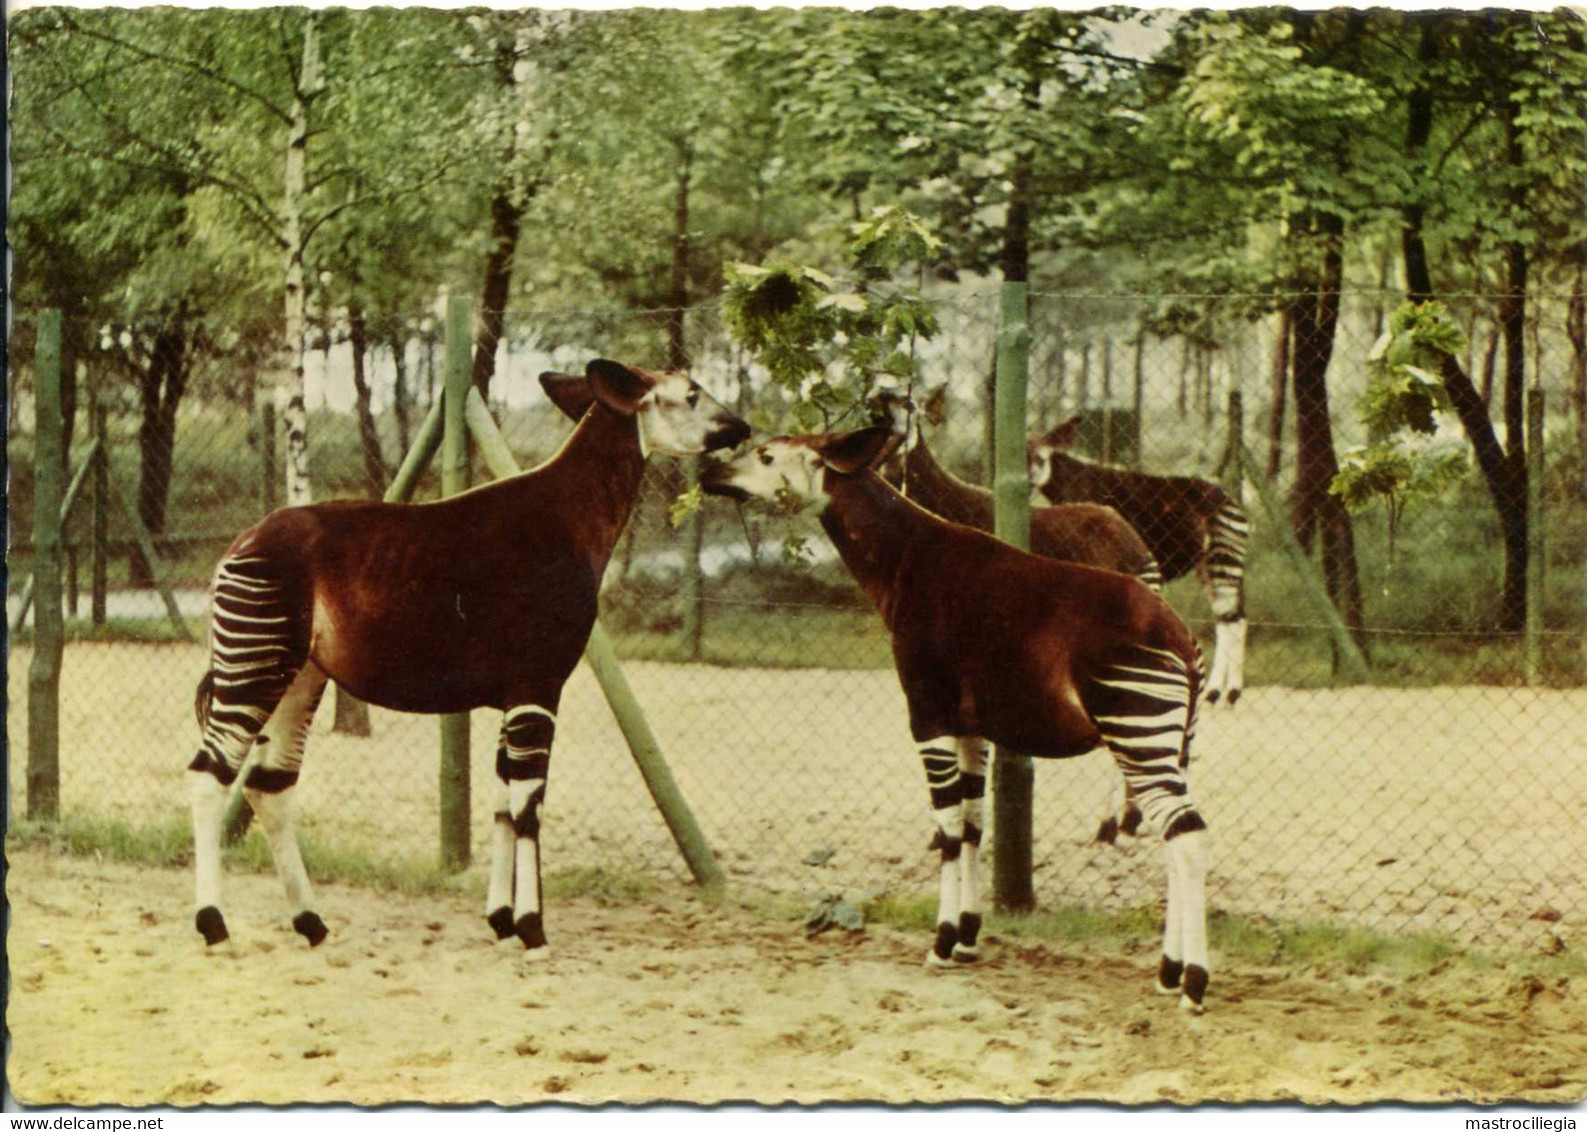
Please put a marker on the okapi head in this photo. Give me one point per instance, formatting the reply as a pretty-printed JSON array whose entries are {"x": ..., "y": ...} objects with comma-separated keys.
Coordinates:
[
  {"x": 1047, "y": 454},
  {"x": 791, "y": 471},
  {"x": 676, "y": 416},
  {"x": 892, "y": 406}
]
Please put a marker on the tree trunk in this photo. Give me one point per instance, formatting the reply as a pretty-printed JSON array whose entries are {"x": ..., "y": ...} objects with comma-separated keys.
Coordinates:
[
  {"x": 1498, "y": 471},
  {"x": 294, "y": 238},
  {"x": 161, "y": 387},
  {"x": 1490, "y": 358},
  {"x": 1576, "y": 329},
  {"x": 368, "y": 434},
  {"x": 1184, "y": 376},
  {"x": 678, "y": 275},
  {"x": 505, "y": 218},
  {"x": 1314, "y": 510},
  {"x": 1280, "y": 391},
  {"x": 1512, "y": 320}
]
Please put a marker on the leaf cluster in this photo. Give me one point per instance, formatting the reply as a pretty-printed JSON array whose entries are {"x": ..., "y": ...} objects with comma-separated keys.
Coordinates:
[{"x": 827, "y": 346}]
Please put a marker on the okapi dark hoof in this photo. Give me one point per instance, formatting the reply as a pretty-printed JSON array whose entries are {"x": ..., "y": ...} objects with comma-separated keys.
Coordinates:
[
  {"x": 1108, "y": 832},
  {"x": 211, "y": 925},
  {"x": 500, "y": 922},
  {"x": 1195, "y": 989},
  {"x": 941, "y": 953},
  {"x": 532, "y": 932},
  {"x": 1234, "y": 697},
  {"x": 1212, "y": 696},
  {"x": 1169, "y": 973},
  {"x": 310, "y": 927}
]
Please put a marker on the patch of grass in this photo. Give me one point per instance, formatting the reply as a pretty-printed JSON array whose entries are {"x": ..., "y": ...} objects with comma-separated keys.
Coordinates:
[
  {"x": 165, "y": 845},
  {"x": 606, "y": 887},
  {"x": 118, "y": 630},
  {"x": 1245, "y": 940}
]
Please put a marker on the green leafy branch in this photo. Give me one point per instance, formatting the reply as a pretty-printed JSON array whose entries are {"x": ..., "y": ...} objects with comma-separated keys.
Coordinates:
[
  {"x": 827, "y": 346},
  {"x": 1405, "y": 460}
]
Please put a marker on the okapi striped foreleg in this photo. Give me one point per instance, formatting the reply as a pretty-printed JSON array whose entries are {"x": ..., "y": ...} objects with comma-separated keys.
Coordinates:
[
  {"x": 270, "y": 788},
  {"x": 972, "y": 779},
  {"x": 1144, "y": 707},
  {"x": 1223, "y": 574},
  {"x": 946, "y": 786},
  {"x": 523, "y": 762},
  {"x": 257, "y": 648}
]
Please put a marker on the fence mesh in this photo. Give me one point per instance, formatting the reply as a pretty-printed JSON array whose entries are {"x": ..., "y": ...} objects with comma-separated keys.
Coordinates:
[{"x": 1442, "y": 794}]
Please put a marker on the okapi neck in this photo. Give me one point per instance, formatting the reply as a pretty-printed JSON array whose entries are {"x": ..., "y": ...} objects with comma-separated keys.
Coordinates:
[
  {"x": 926, "y": 480},
  {"x": 872, "y": 526},
  {"x": 601, "y": 468}
]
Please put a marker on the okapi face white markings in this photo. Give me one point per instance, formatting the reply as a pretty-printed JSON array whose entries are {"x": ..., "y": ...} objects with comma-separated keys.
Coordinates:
[
  {"x": 679, "y": 418},
  {"x": 784, "y": 473}
]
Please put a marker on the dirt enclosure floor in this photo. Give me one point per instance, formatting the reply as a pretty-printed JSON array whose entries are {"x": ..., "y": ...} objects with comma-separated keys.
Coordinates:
[{"x": 114, "y": 1001}]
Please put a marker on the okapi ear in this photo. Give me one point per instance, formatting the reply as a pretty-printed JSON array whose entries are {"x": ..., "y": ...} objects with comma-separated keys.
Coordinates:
[
  {"x": 568, "y": 392},
  {"x": 849, "y": 452},
  {"x": 935, "y": 406},
  {"x": 1062, "y": 436},
  {"x": 616, "y": 386}
]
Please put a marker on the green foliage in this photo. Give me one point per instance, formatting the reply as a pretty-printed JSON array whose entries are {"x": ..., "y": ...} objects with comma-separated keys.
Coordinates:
[
  {"x": 826, "y": 347},
  {"x": 686, "y": 504},
  {"x": 1404, "y": 392},
  {"x": 1405, "y": 461}
]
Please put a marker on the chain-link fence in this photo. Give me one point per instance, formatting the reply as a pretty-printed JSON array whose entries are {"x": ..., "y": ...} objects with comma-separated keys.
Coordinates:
[{"x": 1443, "y": 793}]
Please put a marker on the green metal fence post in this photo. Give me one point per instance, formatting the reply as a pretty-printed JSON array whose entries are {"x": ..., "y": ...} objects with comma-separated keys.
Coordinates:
[
  {"x": 99, "y": 567},
  {"x": 454, "y": 779},
  {"x": 49, "y": 630},
  {"x": 1534, "y": 537},
  {"x": 603, "y": 662},
  {"x": 1013, "y": 776}
]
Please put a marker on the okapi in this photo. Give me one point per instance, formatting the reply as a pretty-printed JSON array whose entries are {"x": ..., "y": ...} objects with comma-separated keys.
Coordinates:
[
  {"x": 1189, "y": 524},
  {"x": 1087, "y": 534},
  {"x": 482, "y": 600},
  {"x": 1046, "y": 658}
]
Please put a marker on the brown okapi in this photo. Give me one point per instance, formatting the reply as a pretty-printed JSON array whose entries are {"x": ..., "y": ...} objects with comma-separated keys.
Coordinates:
[
  {"x": 482, "y": 600},
  {"x": 992, "y": 643},
  {"x": 1087, "y": 534},
  {"x": 1189, "y": 524}
]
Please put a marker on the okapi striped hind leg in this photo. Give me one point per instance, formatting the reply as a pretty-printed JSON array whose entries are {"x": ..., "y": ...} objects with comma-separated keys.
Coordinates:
[
  {"x": 256, "y": 652},
  {"x": 1223, "y": 574},
  {"x": 523, "y": 761},
  {"x": 270, "y": 786},
  {"x": 1144, "y": 706}
]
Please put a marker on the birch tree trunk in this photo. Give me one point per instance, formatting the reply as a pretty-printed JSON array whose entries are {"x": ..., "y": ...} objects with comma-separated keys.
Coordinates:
[{"x": 294, "y": 237}]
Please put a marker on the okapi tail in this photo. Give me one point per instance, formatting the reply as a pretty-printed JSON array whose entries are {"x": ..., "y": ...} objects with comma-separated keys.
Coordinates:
[{"x": 203, "y": 697}]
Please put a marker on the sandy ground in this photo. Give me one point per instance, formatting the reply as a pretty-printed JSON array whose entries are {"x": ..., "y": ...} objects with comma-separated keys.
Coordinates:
[
  {"x": 114, "y": 1000},
  {"x": 1454, "y": 810}
]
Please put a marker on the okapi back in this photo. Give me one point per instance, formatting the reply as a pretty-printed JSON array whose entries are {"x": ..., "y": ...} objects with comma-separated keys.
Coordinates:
[
  {"x": 1086, "y": 533},
  {"x": 990, "y": 640},
  {"x": 482, "y": 600},
  {"x": 1171, "y": 513}
]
